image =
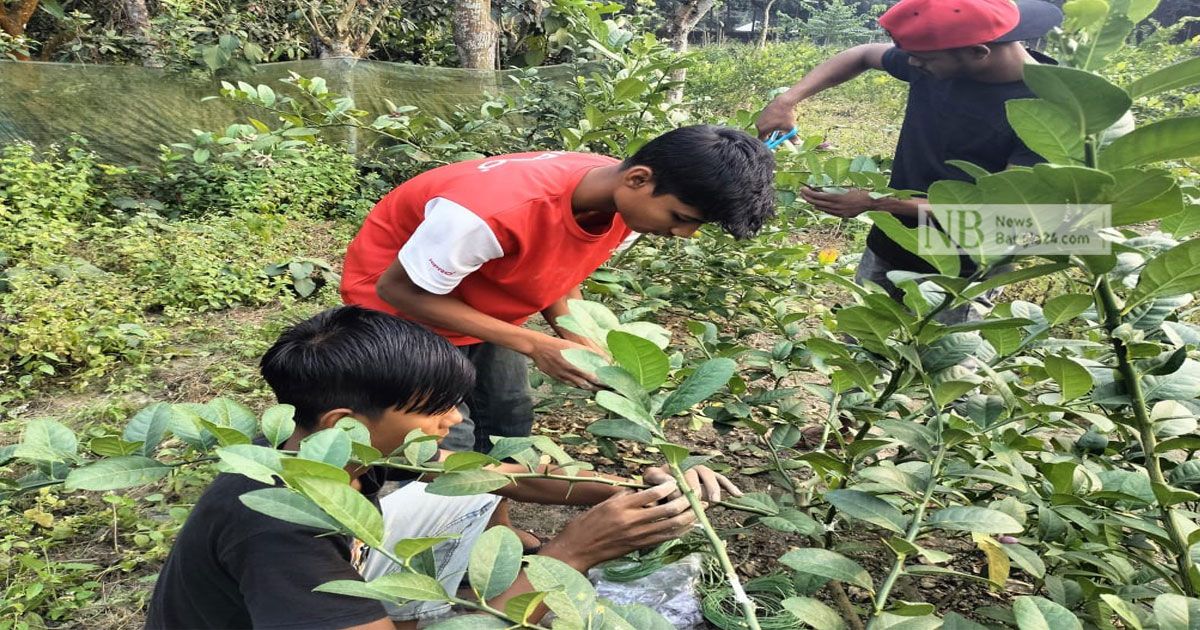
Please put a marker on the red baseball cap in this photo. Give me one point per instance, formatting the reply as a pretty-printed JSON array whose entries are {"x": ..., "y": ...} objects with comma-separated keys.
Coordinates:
[{"x": 926, "y": 25}]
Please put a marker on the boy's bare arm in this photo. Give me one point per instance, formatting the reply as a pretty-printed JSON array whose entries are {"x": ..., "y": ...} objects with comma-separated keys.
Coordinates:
[{"x": 447, "y": 311}]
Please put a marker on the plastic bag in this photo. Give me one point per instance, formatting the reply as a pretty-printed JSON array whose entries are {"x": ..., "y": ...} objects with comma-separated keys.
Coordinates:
[{"x": 670, "y": 591}]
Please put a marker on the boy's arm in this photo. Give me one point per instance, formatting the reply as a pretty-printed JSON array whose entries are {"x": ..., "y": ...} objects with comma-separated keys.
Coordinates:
[
  {"x": 446, "y": 311},
  {"x": 778, "y": 114},
  {"x": 702, "y": 479}
]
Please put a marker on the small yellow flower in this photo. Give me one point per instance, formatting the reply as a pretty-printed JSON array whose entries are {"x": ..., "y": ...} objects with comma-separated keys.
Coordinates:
[{"x": 827, "y": 256}]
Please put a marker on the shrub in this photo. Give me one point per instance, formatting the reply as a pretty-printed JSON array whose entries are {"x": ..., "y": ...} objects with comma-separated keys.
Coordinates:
[
  {"x": 245, "y": 169},
  {"x": 61, "y": 312},
  {"x": 45, "y": 195}
]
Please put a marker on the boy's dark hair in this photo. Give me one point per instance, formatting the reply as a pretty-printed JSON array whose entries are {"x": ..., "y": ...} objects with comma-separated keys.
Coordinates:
[
  {"x": 726, "y": 174},
  {"x": 367, "y": 361}
]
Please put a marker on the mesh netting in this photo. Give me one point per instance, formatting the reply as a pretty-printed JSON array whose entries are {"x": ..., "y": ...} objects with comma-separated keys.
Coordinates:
[{"x": 128, "y": 111}]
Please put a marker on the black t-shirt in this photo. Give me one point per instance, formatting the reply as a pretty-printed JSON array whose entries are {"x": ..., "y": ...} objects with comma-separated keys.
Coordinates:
[
  {"x": 232, "y": 567},
  {"x": 948, "y": 119}
]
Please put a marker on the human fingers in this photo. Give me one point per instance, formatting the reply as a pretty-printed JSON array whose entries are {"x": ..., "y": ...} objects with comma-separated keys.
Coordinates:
[
  {"x": 655, "y": 475},
  {"x": 729, "y": 486},
  {"x": 670, "y": 509},
  {"x": 669, "y": 528},
  {"x": 710, "y": 487},
  {"x": 651, "y": 495}
]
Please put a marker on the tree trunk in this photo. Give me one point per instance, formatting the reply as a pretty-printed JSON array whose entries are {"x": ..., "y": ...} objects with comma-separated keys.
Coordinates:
[
  {"x": 13, "y": 21},
  {"x": 685, "y": 19},
  {"x": 475, "y": 34},
  {"x": 137, "y": 17},
  {"x": 766, "y": 24},
  {"x": 136, "y": 24}
]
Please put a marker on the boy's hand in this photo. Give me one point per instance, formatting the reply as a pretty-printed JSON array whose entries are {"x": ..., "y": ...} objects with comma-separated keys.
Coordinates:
[
  {"x": 776, "y": 116},
  {"x": 701, "y": 479},
  {"x": 846, "y": 205},
  {"x": 547, "y": 356},
  {"x": 626, "y": 522}
]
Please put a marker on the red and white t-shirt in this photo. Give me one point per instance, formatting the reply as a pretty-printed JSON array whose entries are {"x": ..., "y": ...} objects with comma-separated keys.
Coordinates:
[{"x": 497, "y": 233}]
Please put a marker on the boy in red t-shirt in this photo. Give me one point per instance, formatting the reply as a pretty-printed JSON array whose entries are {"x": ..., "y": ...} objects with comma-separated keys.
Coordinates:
[{"x": 474, "y": 249}]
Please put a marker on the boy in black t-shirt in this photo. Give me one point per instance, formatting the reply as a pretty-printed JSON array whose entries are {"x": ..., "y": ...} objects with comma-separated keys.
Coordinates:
[
  {"x": 963, "y": 60},
  {"x": 232, "y": 567}
]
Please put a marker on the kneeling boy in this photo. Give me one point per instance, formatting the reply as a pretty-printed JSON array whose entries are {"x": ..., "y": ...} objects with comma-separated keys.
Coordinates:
[{"x": 232, "y": 567}]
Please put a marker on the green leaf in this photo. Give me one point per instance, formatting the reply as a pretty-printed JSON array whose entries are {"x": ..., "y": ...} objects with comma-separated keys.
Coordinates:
[
  {"x": 331, "y": 446},
  {"x": 813, "y": 613},
  {"x": 628, "y": 409},
  {"x": 1176, "y": 611},
  {"x": 974, "y": 519},
  {"x": 226, "y": 413},
  {"x": 1073, "y": 378},
  {"x": 346, "y": 505},
  {"x": 585, "y": 360},
  {"x": 621, "y": 429},
  {"x": 289, "y": 506},
  {"x": 863, "y": 323},
  {"x": 1169, "y": 139},
  {"x": 673, "y": 452},
  {"x": 1123, "y": 609},
  {"x": 622, "y": 382},
  {"x": 1094, "y": 102},
  {"x": 868, "y": 507},
  {"x": 755, "y": 500},
  {"x": 641, "y": 358},
  {"x": 495, "y": 562},
  {"x": 828, "y": 564},
  {"x": 793, "y": 521},
  {"x": 259, "y": 463},
  {"x": 711, "y": 376},
  {"x": 1143, "y": 194},
  {"x": 278, "y": 424},
  {"x": 1063, "y": 308},
  {"x": 637, "y": 616},
  {"x": 47, "y": 440},
  {"x": 1109, "y": 38},
  {"x": 113, "y": 446},
  {"x": 1039, "y": 613},
  {"x": 149, "y": 426},
  {"x": 471, "y": 622},
  {"x": 226, "y": 436},
  {"x": 909, "y": 238},
  {"x": 408, "y": 548},
  {"x": 1078, "y": 184},
  {"x": 571, "y": 596},
  {"x": 462, "y": 483},
  {"x": 630, "y": 87},
  {"x": 294, "y": 467},
  {"x": 468, "y": 460},
  {"x": 949, "y": 391},
  {"x": 522, "y": 606},
  {"x": 116, "y": 473},
  {"x": 392, "y": 587},
  {"x": 955, "y": 621},
  {"x": 589, "y": 319},
  {"x": 1173, "y": 272},
  {"x": 1173, "y": 77},
  {"x": 1047, "y": 129}
]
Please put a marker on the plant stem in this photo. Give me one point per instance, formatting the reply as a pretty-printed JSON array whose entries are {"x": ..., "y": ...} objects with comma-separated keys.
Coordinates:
[
  {"x": 914, "y": 528},
  {"x": 718, "y": 546},
  {"x": 1133, "y": 385}
]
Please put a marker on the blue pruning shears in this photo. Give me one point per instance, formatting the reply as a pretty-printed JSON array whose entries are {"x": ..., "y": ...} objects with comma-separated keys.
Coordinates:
[{"x": 778, "y": 137}]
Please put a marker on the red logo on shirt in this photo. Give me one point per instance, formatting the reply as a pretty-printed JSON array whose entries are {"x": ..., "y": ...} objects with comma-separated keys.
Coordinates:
[{"x": 440, "y": 270}]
